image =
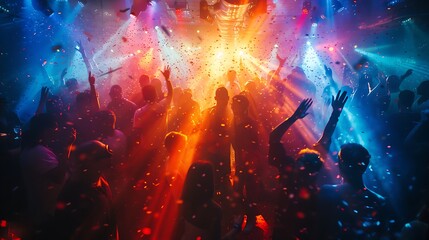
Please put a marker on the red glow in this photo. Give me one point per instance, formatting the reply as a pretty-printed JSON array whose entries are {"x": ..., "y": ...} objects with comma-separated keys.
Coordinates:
[
  {"x": 304, "y": 193},
  {"x": 146, "y": 231},
  {"x": 301, "y": 20}
]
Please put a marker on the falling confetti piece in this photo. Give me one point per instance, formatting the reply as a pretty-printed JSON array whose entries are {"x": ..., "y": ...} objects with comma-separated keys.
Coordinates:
[
  {"x": 124, "y": 10},
  {"x": 165, "y": 30}
]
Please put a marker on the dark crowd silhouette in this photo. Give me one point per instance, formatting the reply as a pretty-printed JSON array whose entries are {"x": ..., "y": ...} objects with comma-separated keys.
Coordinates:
[{"x": 157, "y": 165}]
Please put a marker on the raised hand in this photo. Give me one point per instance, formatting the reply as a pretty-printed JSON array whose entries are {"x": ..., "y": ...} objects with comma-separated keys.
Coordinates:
[
  {"x": 339, "y": 101},
  {"x": 44, "y": 93},
  {"x": 408, "y": 73},
  {"x": 91, "y": 79},
  {"x": 166, "y": 72},
  {"x": 328, "y": 71},
  {"x": 302, "y": 109},
  {"x": 281, "y": 60},
  {"x": 63, "y": 73}
]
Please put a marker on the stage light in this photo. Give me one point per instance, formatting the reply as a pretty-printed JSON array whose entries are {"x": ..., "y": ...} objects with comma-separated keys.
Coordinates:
[
  {"x": 4, "y": 9},
  {"x": 156, "y": 27},
  {"x": 276, "y": 45},
  {"x": 314, "y": 24},
  {"x": 394, "y": 3},
  {"x": 219, "y": 55},
  {"x": 306, "y": 6},
  {"x": 355, "y": 46},
  {"x": 407, "y": 21},
  {"x": 82, "y": 2},
  {"x": 308, "y": 43},
  {"x": 331, "y": 49}
]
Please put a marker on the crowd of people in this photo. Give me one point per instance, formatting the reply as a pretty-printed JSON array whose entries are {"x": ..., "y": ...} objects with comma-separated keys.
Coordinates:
[{"x": 160, "y": 167}]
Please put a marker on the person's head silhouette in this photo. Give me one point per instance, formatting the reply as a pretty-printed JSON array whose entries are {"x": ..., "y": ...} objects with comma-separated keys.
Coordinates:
[{"x": 353, "y": 162}]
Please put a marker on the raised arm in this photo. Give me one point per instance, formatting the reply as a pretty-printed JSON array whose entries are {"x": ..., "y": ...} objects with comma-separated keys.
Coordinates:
[
  {"x": 43, "y": 99},
  {"x": 61, "y": 82},
  {"x": 166, "y": 73},
  {"x": 95, "y": 103},
  {"x": 276, "y": 74},
  {"x": 406, "y": 74},
  {"x": 337, "y": 107},
  {"x": 79, "y": 48},
  {"x": 278, "y": 132},
  {"x": 332, "y": 83},
  {"x": 46, "y": 76},
  {"x": 276, "y": 154}
]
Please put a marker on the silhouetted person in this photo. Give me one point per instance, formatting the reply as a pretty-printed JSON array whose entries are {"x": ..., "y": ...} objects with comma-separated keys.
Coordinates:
[
  {"x": 138, "y": 97},
  {"x": 69, "y": 93},
  {"x": 157, "y": 84},
  {"x": 215, "y": 141},
  {"x": 214, "y": 145},
  {"x": 360, "y": 96},
  {"x": 405, "y": 101},
  {"x": 185, "y": 116},
  {"x": 331, "y": 87},
  {"x": 117, "y": 142},
  {"x": 393, "y": 84},
  {"x": 423, "y": 92},
  {"x": 367, "y": 70},
  {"x": 350, "y": 210},
  {"x": 123, "y": 108},
  {"x": 245, "y": 144},
  {"x": 150, "y": 120},
  {"x": 402, "y": 122},
  {"x": 232, "y": 83},
  {"x": 146, "y": 168},
  {"x": 55, "y": 107},
  {"x": 417, "y": 145},
  {"x": 297, "y": 80},
  {"x": 87, "y": 104},
  {"x": 200, "y": 216},
  {"x": 165, "y": 208},
  {"x": 84, "y": 207},
  {"x": 277, "y": 86},
  {"x": 42, "y": 172},
  {"x": 296, "y": 214},
  {"x": 380, "y": 97}
]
